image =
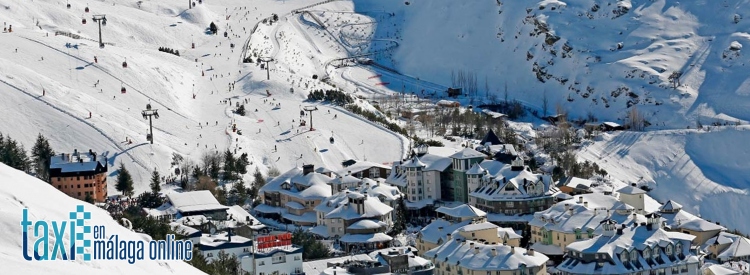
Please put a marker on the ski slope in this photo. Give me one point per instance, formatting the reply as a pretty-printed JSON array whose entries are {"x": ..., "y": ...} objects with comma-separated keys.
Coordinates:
[
  {"x": 705, "y": 171},
  {"x": 52, "y": 84},
  {"x": 44, "y": 202}
]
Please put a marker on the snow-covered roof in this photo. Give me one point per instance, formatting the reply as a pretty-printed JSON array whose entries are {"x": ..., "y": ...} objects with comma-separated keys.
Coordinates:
[
  {"x": 721, "y": 270},
  {"x": 503, "y": 232},
  {"x": 265, "y": 208},
  {"x": 481, "y": 257},
  {"x": 365, "y": 238},
  {"x": 579, "y": 183},
  {"x": 307, "y": 217},
  {"x": 467, "y": 153},
  {"x": 345, "y": 179},
  {"x": 632, "y": 238},
  {"x": 367, "y": 224},
  {"x": 320, "y": 230},
  {"x": 611, "y": 124},
  {"x": 241, "y": 215},
  {"x": 322, "y": 170},
  {"x": 524, "y": 183},
  {"x": 571, "y": 215},
  {"x": 631, "y": 190},
  {"x": 294, "y": 205},
  {"x": 348, "y": 211},
  {"x": 475, "y": 169},
  {"x": 738, "y": 249},
  {"x": 183, "y": 229},
  {"x": 670, "y": 205},
  {"x": 360, "y": 166},
  {"x": 547, "y": 249},
  {"x": 478, "y": 226},
  {"x": 493, "y": 114},
  {"x": 503, "y": 148},
  {"x": 218, "y": 240},
  {"x": 685, "y": 220},
  {"x": 311, "y": 179},
  {"x": 315, "y": 185},
  {"x": 439, "y": 229},
  {"x": 373, "y": 188},
  {"x": 165, "y": 209},
  {"x": 414, "y": 162},
  {"x": 419, "y": 204},
  {"x": 193, "y": 201},
  {"x": 70, "y": 163},
  {"x": 462, "y": 211}
]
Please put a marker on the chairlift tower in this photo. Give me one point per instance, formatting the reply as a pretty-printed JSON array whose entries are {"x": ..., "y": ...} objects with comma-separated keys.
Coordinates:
[
  {"x": 310, "y": 109},
  {"x": 102, "y": 20},
  {"x": 148, "y": 113},
  {"x": 267, "y": 59}
]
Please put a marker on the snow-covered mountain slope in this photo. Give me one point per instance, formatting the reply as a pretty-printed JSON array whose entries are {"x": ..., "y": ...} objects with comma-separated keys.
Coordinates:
[
  {"x": 49, "y": 86},
  {"x": 706, "y": 172},
  {"x": 598, "y": 56},
  {"x": 44, "y": 202}
]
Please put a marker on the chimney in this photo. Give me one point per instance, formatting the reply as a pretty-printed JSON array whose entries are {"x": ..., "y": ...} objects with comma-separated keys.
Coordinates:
[
  {"x": 476, "y": 250},
  {"x": 75, "y": 152},
  {"x": 307, "y": 168},
  {"x": 580, "y": 199},
  {"x": 449, "y": 236},
  {"x": 80, "y": 160},
  {"x": 586, "y": 204},
  {"x": 530, "y": 252},
  {"x": 440, "y": 228},
  {"x": 634, "y": 216},
  {"x": 471, "y": 245},
  {"x": 567, "y": 206},
  {"x": 619, "y": 231},
  {"x": 494, "y": 252},
  {"x": 512, "y": 249},
  {"x": 634, "y": 185}
]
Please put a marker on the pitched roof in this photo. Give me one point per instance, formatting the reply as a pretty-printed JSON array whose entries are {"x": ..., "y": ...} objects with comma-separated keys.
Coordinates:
[
  {"x": 631, "y": 190},
  {"x": 739, "y": 248},
  {"x": 467, "y": 153},
  {"x": 372, "y": 208},
  {"x": 195, "y": 201},
  {"x": 579, "y": 183},
  {"x": 670, "y": 205},
  {"x": 476, "y": 169},
  {"x": 481, "y": 256},
  {"x": 462, "y": 211},
  {"x": 491, "y": 138},
  {"x": 70, "y": 163}
]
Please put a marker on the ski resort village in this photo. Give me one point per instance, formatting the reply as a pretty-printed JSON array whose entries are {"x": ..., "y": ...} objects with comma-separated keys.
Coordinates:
[{"x": 363, "y": 137}]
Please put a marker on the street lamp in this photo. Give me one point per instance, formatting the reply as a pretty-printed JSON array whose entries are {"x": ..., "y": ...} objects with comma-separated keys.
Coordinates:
[
  {"x": 102, "y": 20},
  {"x": 148, "y": 113}
]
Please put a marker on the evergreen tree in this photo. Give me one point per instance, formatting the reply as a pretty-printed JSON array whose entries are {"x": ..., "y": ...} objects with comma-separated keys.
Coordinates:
[
  {"x": 124, "y": 181},
  {"x": 259, "y": 181},
  {"x": 13, "y": 154},
  {"x": 212, "y": 27},
  {"x": 199, "y": 262},
  {"x": 312, "y": 248},
  {"x": 41, "y": 154},
  {"x": 155, "y": 182},
  {"x": 225, "y": 264},
  {"x": 230, "y": 166},
  {"x": 89, "y": 198},
  {"x": 242, "y": 163},
  {"x": 238, "y": 194},
  {"x": 402, "y": 218}
]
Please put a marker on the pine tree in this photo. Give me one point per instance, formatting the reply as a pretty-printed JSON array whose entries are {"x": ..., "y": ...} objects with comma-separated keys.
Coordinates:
[
  {"x": 13, "y": 154},
  {"x": 155, "y": 182},
  {"x": 259, "y": 180},
  {"x": 41, "y": 154},
  {"x": 124, "y": 181},
  {"x": 230, "y": 164},
  {"x": 199, "y": 262},
  {"x": 88, "y": 198},
  {"x": 402, "y": 217}
]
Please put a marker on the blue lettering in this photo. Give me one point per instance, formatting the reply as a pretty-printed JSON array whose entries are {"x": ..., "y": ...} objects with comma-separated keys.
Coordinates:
[
  {"x": 139, "y": 252},
  {"x": 99, "y": 232},
  {"x": 59, "y": 240},
  {"x": 25, "y": 223},
  {"x": 100, "y": 248},
  {"x": 153, "y": 250},
  {"x": 43, "y": 240},
  {"x": 188, "y": 250}
]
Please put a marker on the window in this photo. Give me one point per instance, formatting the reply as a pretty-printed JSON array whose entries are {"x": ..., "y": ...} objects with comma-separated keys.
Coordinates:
[
  {"x": 668, "y": 250},
  {"x": 675, "y": 270},
  {"x": 262, "y": 263},
  {"x": 646, "y": 253},
  {"x": 634, "y": 255},
  {"x": 624, "y": 256},
  {"x": 209, "y": 255},
  {"x": 509, "y": 204},
  {"x": 59, "y": 187},
  {"x": 79, "y": 186},
  {"x": 58, "y": 178}
]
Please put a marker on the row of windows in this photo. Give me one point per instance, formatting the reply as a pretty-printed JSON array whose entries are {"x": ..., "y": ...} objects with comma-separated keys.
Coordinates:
[
  {"x": 77, "y": 178},
  {"x": 85, "y": 185}
]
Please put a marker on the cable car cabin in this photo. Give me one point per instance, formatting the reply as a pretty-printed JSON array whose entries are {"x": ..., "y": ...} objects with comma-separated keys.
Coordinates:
[
  {"x": 148, "y": 137},
  {"x": 123, "y": 90},
  {"x": 124, "y": 64},
  {"x": 86, "y": 9},
  {"x": 83, "y": 21}
]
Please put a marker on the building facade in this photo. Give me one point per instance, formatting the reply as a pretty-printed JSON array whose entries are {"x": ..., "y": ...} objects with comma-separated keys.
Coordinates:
[{"x": 80, "y": 175}]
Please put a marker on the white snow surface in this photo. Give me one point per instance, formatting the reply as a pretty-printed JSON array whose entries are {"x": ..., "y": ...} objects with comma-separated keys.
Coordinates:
[
  {"x": 48, "y": 86},
  {"x": 47, "y": 203}
]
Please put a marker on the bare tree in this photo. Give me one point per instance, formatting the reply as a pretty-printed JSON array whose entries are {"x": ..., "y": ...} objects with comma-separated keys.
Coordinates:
[
  {"x": 635, "y": 119},
  {"x": 674, "y": 78}
]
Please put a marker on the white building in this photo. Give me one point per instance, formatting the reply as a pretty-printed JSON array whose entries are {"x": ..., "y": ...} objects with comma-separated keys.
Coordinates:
[
  {"x": 292, "y": 196},
  {"x": 268, "y": 261},
  {"x": 642, "y": 249},
  {"x": 458, "y": 256},
  {"x": 726, "y": 247},
  {"x": 469, "y": 226},
  {"x": 509, "y": 189}
]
